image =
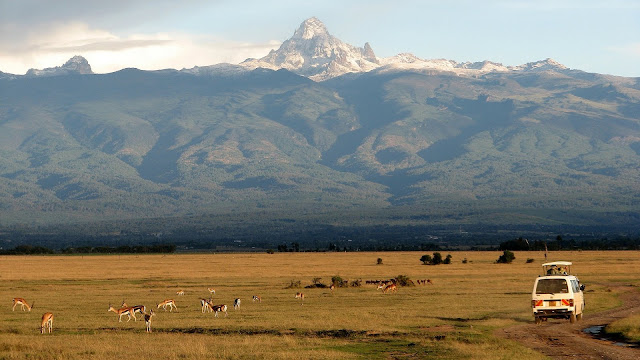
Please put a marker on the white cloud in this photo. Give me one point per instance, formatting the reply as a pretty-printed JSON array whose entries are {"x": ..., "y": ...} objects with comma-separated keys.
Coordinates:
[{"x": 54, "y": 44}]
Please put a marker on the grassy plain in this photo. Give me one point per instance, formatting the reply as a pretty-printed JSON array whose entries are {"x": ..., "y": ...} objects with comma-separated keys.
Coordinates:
[{"x": 452, "y": 319}]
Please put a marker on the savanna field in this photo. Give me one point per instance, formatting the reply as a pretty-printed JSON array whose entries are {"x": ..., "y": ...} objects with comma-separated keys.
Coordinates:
[{"x": 453, "y": 318}]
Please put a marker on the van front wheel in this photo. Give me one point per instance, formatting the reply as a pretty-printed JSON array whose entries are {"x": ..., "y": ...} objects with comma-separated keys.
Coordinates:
[{"x": 572, "y": 318}]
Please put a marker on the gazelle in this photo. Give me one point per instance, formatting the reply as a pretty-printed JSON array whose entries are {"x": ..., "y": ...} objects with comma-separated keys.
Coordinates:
[
  {"x": 390, "y": 288},
  {"x": 332, "y": 287},
  {"x": 122, "y": 311},
  {"x": 220, "y": 308},
  {"x": 257, "y": 298},
  {"x": 236, "y": 304},
  {"x": 206, "y": 305},
  {"x": 23, "y": 303},
  {"x": 301, "y": 297},
  {"x": 212, "y": 291},
  {"x": 141, "y": 309},
  {"x": 170, "y": 303},
  {"x": 147, "y": 320},
  {"x": 47, "y": 322},
  {"x": 180, "y": 292}
]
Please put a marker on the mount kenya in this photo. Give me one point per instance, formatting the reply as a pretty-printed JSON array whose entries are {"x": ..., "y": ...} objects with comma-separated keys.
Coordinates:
[{"x": 320, "y": 131}]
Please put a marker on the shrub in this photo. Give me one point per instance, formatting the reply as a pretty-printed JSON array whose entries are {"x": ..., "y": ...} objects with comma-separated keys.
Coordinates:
[
  {"x": 529, "y": 261},
  {"x": 270, "y": 251},
  {"x": 336, "y": 280},
  {"x": 356, "y": 283},
  {"x": 464, "y": 261},
  {"x": 436, "y": 259},
  {"x": 295, "y": 284},
  {"x": 379, "y": 261},
  {"x": 506, "y": 258},
  {"x": 404, "y": 280}
]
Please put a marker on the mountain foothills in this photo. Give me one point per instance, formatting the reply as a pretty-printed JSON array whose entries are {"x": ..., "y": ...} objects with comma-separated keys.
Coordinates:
[{"x": 322, "y": 132}]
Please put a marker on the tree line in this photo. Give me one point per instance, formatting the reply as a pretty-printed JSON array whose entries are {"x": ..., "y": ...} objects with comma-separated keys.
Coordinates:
[
  {"x": 521, "y": 244},
  {"x": 125, "y": 249}
]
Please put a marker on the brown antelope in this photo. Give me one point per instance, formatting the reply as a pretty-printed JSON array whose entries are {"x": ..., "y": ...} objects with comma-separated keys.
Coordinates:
[
  {"x": 147, "y": 320},
  {"x": 257, "y": 298},
  {"x": 47, "y": 322},
  {"x": 212, "y": 291},
  {"x": 141, "y": 309},
  {"x": 23, "y": 303},
  {"x": 170, "y": 303},
  {"x": 236, "y": 304},
  {"x": 390, "y": 288},
  {"x": 206, "y": 305},
  {"x": 123, "y": 311},
  {"x": 180, "y": 292},
  {"x": 220, "y": 308}
]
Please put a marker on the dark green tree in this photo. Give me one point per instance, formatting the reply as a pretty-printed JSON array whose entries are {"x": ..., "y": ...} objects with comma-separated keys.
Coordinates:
[{"x": 506, "y": 258}]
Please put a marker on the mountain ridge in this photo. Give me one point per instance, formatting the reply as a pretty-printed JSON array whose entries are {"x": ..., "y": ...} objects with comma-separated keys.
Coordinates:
[
  {"x": 541, "y": 146},
  {"x": 314, "y": 53}
]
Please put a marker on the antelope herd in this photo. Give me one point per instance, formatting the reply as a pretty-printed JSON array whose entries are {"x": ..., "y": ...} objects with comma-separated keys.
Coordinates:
[{"x": 387, "y": 286}]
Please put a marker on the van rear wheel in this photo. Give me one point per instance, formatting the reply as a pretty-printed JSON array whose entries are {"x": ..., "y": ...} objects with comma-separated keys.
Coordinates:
[{"x": 572, "y": 318}]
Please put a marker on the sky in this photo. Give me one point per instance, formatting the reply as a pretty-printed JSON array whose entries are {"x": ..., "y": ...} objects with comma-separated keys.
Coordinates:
[{"x": 590, "y": 35}]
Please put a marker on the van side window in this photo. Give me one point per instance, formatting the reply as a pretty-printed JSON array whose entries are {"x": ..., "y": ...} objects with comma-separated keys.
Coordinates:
[{"x": 574, "y": 286}]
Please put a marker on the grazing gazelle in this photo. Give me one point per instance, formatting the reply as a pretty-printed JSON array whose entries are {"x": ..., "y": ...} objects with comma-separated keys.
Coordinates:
[
  {"x": 390, "y": 288},
  {"x": 147, "y": 320},
  {"x": 332, "y": 287},
  {"x": 180, "y": 292},
  {"x": 220, "y": 308},
  {"x": 23, "y": 303},
  {"x": 141, "y": 309},
  {"x": 236, "y": 304},
  {"x": 257, "y": 298},
  {"x": 301, "y": 297},
  {"x": 123, "y": 311},
  {"x": 212, "y": 291},
  {"x": 47, "y": 322},
  {"x": 170, "y": 303},
  {"x": 206, "y": 305}
]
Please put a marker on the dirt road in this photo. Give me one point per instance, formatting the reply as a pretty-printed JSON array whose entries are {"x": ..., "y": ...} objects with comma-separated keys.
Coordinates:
[{"x": 560, "y": 339}]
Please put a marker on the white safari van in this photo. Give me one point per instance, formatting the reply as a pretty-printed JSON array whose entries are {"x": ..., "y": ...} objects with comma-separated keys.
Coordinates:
[{"x": 557, "y": 293}]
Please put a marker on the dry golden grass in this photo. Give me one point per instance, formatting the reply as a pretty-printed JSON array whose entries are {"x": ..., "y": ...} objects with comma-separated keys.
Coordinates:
[{"x": 453, "y": 318}]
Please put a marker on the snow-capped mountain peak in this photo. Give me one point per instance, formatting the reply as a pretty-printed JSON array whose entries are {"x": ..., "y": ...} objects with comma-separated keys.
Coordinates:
[
  {"x": 315, "y": 53},
  {"x": 311, "y": 28},
  {"x": 75, "y": 65}
]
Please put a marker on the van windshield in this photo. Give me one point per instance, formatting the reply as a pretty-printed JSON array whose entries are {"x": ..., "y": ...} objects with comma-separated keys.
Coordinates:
[{"x": 552, "y": 286}]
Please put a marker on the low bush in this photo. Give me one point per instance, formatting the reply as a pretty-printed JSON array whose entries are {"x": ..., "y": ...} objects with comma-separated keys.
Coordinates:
[
  {"x": 506, "y": 258},
  {"x": 294, "y": 284}
]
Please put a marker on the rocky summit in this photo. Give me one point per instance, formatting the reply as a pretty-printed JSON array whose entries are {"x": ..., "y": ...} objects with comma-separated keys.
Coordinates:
[{"x": 75, "y": 65}]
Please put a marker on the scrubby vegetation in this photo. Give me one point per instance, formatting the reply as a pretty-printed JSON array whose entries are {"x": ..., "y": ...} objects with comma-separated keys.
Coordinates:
[
  {"x": 436, "y": 259},
  {"x": 507, "y": 257}
]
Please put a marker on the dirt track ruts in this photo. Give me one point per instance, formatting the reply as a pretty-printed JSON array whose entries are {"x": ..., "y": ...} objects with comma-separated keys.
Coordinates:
[{"x": 560, "y": 339}]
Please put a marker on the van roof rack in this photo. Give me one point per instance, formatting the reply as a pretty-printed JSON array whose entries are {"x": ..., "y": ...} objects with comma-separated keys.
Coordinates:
[{"x": 558, "y": 263}]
